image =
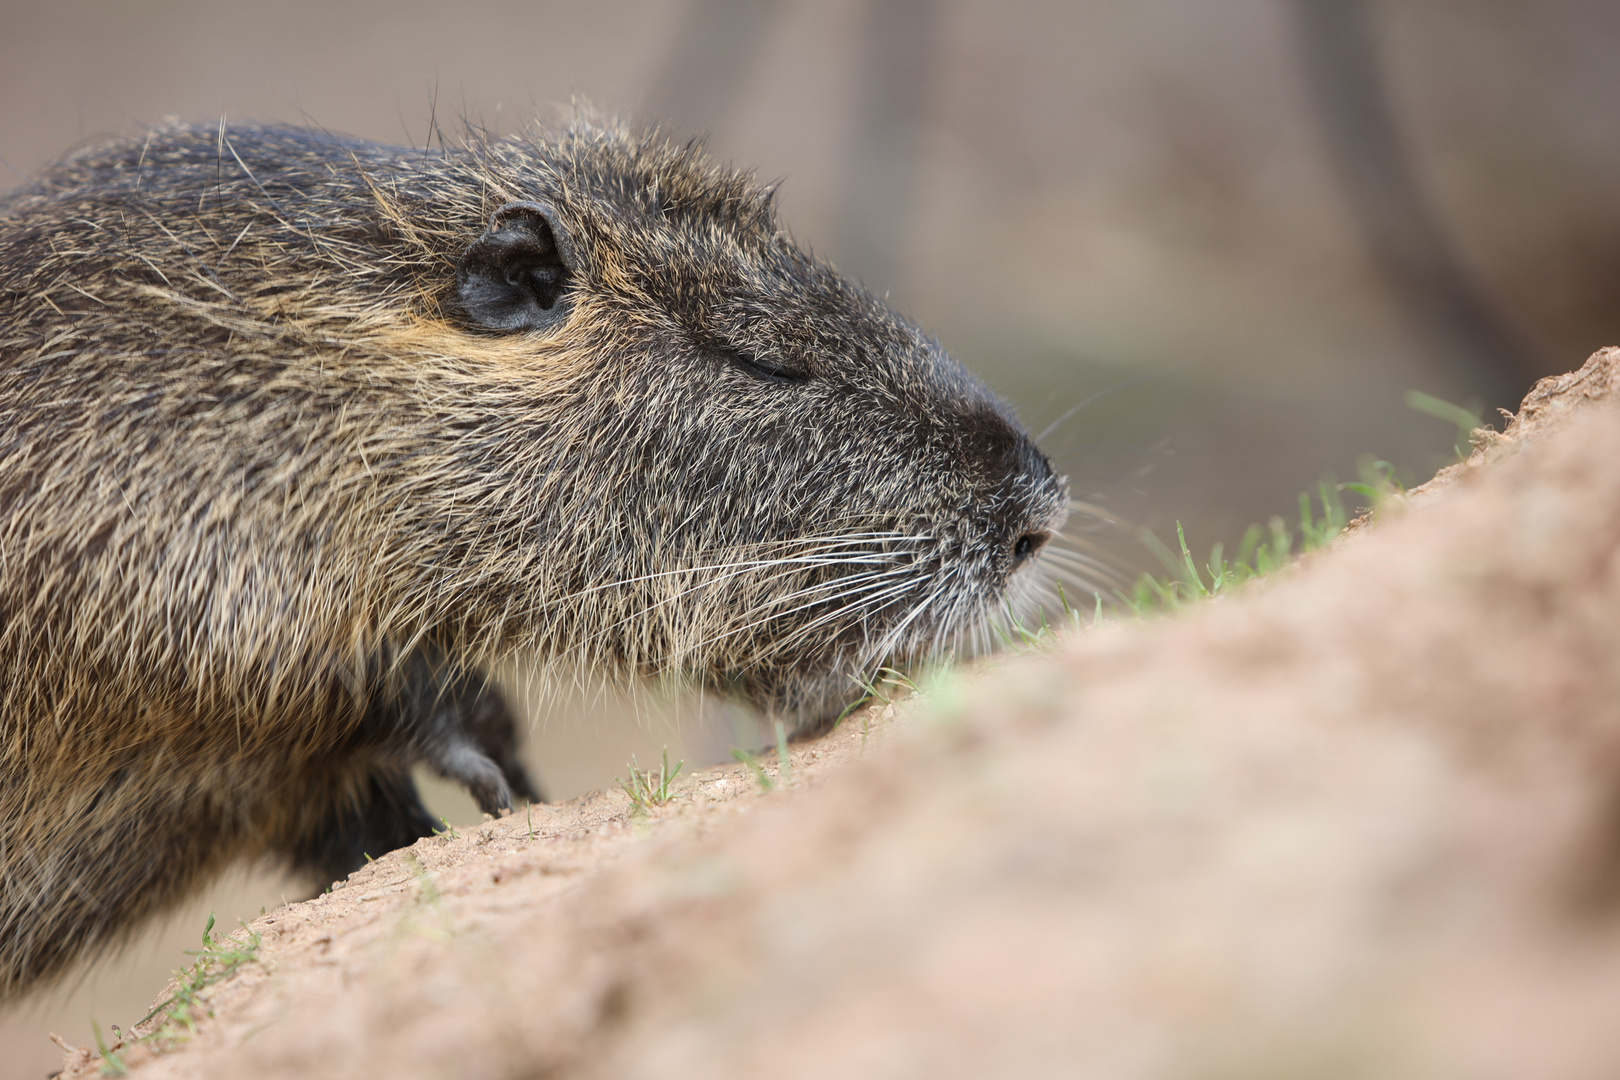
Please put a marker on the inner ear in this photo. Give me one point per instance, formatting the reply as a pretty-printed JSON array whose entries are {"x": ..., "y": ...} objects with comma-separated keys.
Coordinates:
[{"x": 515, "y": 277}]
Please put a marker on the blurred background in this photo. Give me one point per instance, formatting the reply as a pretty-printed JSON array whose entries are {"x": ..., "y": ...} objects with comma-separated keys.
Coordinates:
[{"x": 1206, "y": 247}]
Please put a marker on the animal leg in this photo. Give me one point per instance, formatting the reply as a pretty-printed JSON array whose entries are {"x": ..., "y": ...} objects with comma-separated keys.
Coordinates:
[{"x": 385, "y": 813}]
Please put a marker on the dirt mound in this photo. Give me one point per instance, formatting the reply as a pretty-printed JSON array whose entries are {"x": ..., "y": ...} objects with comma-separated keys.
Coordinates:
[{"x": 1361, "y": 819}]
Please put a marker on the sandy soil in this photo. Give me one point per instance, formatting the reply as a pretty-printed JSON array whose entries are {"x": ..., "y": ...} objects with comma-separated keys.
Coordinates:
[{"x": 1361, "y": 819}]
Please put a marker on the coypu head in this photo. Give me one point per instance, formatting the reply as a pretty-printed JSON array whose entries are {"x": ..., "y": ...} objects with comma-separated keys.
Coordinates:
[
  {"x": 299, "y": 434},
  {"x": 774, "y": 483},
  {"x": 575, "y": 392}
]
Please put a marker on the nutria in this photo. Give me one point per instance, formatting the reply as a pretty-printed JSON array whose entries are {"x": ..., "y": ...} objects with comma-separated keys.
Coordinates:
[{"x": 299, "y": 434}]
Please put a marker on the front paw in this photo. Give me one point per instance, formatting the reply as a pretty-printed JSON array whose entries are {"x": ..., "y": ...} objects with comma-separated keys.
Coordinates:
[{"x": 461, "y": 761}]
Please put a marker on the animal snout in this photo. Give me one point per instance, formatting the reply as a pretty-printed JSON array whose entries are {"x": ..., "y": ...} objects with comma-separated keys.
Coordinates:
[
  {"x": 1023, "y": 502},
  {"x": 1038, "y": 504},
  {"x": 1026, "y": 546}
]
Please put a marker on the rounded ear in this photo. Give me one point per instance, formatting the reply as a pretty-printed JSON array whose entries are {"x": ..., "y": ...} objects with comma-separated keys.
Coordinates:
[{"x": 515, "y": 277}]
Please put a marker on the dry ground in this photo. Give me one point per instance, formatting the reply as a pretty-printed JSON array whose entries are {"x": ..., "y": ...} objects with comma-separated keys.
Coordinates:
[{"x": 1361, "y": 819}]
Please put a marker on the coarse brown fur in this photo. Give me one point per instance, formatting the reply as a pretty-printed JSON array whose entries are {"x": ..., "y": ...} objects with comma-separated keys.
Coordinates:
[{"x": 277, "y": 483}]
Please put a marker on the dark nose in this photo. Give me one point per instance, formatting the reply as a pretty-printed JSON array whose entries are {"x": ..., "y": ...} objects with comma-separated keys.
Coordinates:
[
  {"x": 1018, "y": 489},
  {"x": 1025, "y": 547}
]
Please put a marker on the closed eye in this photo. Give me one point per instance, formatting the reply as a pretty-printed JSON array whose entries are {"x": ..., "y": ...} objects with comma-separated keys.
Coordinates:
[{"x": 762, "y": 369}]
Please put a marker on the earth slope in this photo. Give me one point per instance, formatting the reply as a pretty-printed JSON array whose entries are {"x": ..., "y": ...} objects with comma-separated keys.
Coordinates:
[{"x": 1361, "y": 819}]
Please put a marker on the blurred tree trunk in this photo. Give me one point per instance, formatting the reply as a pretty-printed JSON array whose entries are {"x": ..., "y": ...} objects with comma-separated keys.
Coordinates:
[
  {"x": 896, "y": 89},
  {"x": 1339, "y": 49},
  {"x": 710, "y": 62}
]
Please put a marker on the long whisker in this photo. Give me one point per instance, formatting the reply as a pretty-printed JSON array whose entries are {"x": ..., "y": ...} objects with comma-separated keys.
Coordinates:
[
  {"x": 893, "y": 637},
  {"x": 1079, "y": 573},
  {"x": 896, "y": 592},
  {"x": 743, "y": 564},
  {"x": 844, "y": 584},
  {"x": 1082, "y": 564},
  {"x": 1093, "y": 399},
  {"x": 800, "y": 631},
  {"x": 797, "y": 566},
  {"x": 818, "y": 553}
]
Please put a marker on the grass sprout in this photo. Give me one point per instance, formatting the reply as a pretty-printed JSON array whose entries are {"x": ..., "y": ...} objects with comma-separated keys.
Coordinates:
[
  {"x": 1466, "y": 418},
  {"x": 111, "y": 1063},
  {"x": 1377, "y": 485},
  {"x": 217, "y": 960},
  {"x": 648, "y": 789},
  {"x": 751, "y": 760},
  {"x": 428, "y": 897},
  {"x": 784, "y": 760},
  {"x": 1264, "y": 549},
  {"x": 875, "y": 689}
]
